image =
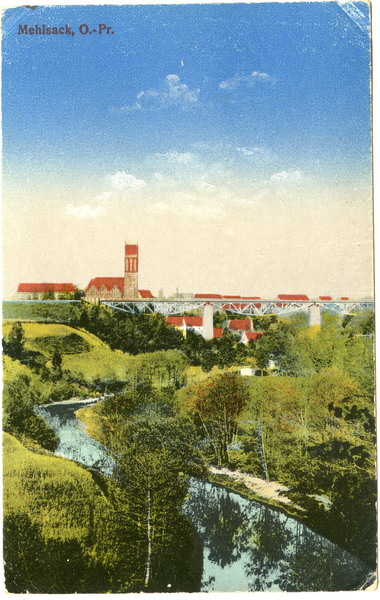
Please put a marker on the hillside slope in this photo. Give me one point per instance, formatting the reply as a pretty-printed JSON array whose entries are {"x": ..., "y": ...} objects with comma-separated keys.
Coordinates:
[
  {"x": 60, "y": 531},
  {"x": 82, "y": 352}
]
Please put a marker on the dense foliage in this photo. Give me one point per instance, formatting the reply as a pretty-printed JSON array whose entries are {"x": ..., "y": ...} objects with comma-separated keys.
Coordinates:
[
  {"x": 310, "y": 427},
  {"x": 216, "y": 404},
  {"x": 155, "y": 452}
]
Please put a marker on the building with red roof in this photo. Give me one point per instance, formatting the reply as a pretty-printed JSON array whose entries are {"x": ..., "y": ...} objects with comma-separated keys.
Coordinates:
[
  {"x": 144, "y": 294},
  {"x": 105, "y": 287},
  {"x": 193, "y": 321},
  {"x": 253, "y": 336},
  {"x": 240, "y": 325},
  {"x": 208, "y": 296},
  {"x": 175, "y": 321},
  {"x": 256, "y": 304},
  {"x": 291, "y": 298},
  {"x": 186, "y": 324},
  {"x": 325, "y": 298},
  {"x": 218, "y": 332},
  {"x": 119, "y": 288},
  {"x": 37, "y": 291}
]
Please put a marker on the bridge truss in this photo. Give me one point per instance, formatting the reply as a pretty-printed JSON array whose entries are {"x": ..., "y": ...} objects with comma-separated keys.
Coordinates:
[{"x": 262, "y": 307}]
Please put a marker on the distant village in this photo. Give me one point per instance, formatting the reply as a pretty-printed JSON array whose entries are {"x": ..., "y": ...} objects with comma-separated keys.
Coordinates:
[{"x": 126, "y": 288}]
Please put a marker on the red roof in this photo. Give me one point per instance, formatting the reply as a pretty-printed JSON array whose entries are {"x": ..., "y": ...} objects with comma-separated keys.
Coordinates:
[
  {"x": 240, "y": 324},
  {"x": 145, "y": 294},
  {"x": 46, "y": 287},
  {"x": 209, "y": 296},
  {"x": 193, "y": 321},
  {"x": 325, "y": 298},
  {"x": 344, "y": 298},
  {"x": 218, "y": 332},
  {"x": 174, "y": 321},
  {"x": 254, "y": 335},
  {"x": 108, "y": 282},
  {"x": 293, "y": 297},
  {"x": 131, "y": 249},
  {"x": 232, "y": 297},
  {"x": 251, "y": 298}
]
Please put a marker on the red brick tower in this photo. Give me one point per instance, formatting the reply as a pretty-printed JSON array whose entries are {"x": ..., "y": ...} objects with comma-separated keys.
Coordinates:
[{"x": 131, "y": 269}]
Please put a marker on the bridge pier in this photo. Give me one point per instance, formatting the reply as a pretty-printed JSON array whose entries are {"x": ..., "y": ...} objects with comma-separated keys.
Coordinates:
[
  {"x": 208, "y": 321},
  {"x": 314, "y": 315}
]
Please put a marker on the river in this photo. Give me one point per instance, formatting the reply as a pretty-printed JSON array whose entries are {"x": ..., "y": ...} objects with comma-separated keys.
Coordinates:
[{"x": 247, "y": 546}]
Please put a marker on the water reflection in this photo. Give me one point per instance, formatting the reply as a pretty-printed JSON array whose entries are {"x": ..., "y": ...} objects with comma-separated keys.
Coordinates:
[
  {"x": 246, "y": 545},
  {"x": 249, "y": 547},
  {"x": 73, "y": 442}
]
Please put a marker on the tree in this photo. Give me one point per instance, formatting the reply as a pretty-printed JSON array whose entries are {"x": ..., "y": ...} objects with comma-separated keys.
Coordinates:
[
  {"x": 226, "y": 350},
  {"x": 14, "y": 345},
  {"x": 155, "y": 453},
  {"x": 57, "y": 363},
  {"x": 49, "y": 295},
  {"x": 362, "y": 324},
  {"x": 274, "y": 345},
  {"x": 217, "y": 402}
]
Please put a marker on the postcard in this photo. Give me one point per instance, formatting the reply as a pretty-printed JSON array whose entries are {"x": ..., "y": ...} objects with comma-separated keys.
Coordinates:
[{"x": 188, "y": 298}]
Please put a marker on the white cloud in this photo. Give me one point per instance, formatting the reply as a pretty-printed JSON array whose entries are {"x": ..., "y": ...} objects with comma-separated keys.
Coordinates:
[
  {"x": 187, "y": 207},
  {"x": 82, "y": 212},
  {"x": 245, "y": 81},
  {"x": 287, "y": 176},
  {"x": 181, "y": 91},
  {"x": 259, "y": 155},
  {"x": 172, "y": 92},
  {"x": 184, "y": 158},
  {"x": 261, "y": 76},
  {"x": 208, "y": 187},
  {"x": 122, "y": 181},
  {"x": 248, "y": 152}
]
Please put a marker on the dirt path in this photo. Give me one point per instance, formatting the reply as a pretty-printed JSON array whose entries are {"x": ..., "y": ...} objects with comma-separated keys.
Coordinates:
[{"x": 266, "y": 489}]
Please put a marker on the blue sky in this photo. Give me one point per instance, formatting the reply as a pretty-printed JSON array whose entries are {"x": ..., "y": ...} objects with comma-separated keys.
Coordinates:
[{"x": 233, "y": 142}]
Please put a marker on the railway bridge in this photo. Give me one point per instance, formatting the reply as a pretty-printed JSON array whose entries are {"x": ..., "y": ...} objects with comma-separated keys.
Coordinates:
[
  {"x": 167, "y": 306},
  {"x": 260, "y": 307}
]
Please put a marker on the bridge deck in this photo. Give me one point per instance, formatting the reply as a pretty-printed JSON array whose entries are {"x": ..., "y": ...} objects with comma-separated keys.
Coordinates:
[
  {"x": 242, "y": 307},
  {"x": 245, "y": 307}
]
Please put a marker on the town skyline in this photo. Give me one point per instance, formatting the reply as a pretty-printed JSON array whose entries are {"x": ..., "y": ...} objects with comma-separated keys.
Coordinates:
[
  {"x": 115, "y": 286},
  {"x": 231, "y": 142}
]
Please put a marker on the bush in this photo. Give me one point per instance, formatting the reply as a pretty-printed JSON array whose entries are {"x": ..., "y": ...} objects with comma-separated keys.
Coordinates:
[
  {"x": 30, "y": 428},
  {"x": 64, "y": 344}
]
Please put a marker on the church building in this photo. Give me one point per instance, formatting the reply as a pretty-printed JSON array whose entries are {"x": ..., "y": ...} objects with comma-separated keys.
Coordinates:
[{"x": 119, "y": 288}]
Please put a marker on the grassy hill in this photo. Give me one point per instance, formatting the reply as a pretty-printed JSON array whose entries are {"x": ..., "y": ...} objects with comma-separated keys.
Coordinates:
[
  {"x": 82, "y": 352},
  {"x": 37, "y": 311},
  {"x": 60, "y": 530},
  {"x": 35, "y": 330}
]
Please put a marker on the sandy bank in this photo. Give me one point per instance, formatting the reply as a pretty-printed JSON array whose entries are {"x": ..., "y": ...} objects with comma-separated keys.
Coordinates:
[{"x": 266, "y": 489}]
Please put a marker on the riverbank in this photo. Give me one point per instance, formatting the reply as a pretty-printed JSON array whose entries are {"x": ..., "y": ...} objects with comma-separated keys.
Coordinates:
[
  {"x": 269, "y": 490},
  {"x": 79, "y": 400},
  {"x": 272, "y": 496}
]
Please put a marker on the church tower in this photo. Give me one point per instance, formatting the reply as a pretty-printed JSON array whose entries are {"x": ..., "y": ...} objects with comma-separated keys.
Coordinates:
[{"x": 131, "y": 269}]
